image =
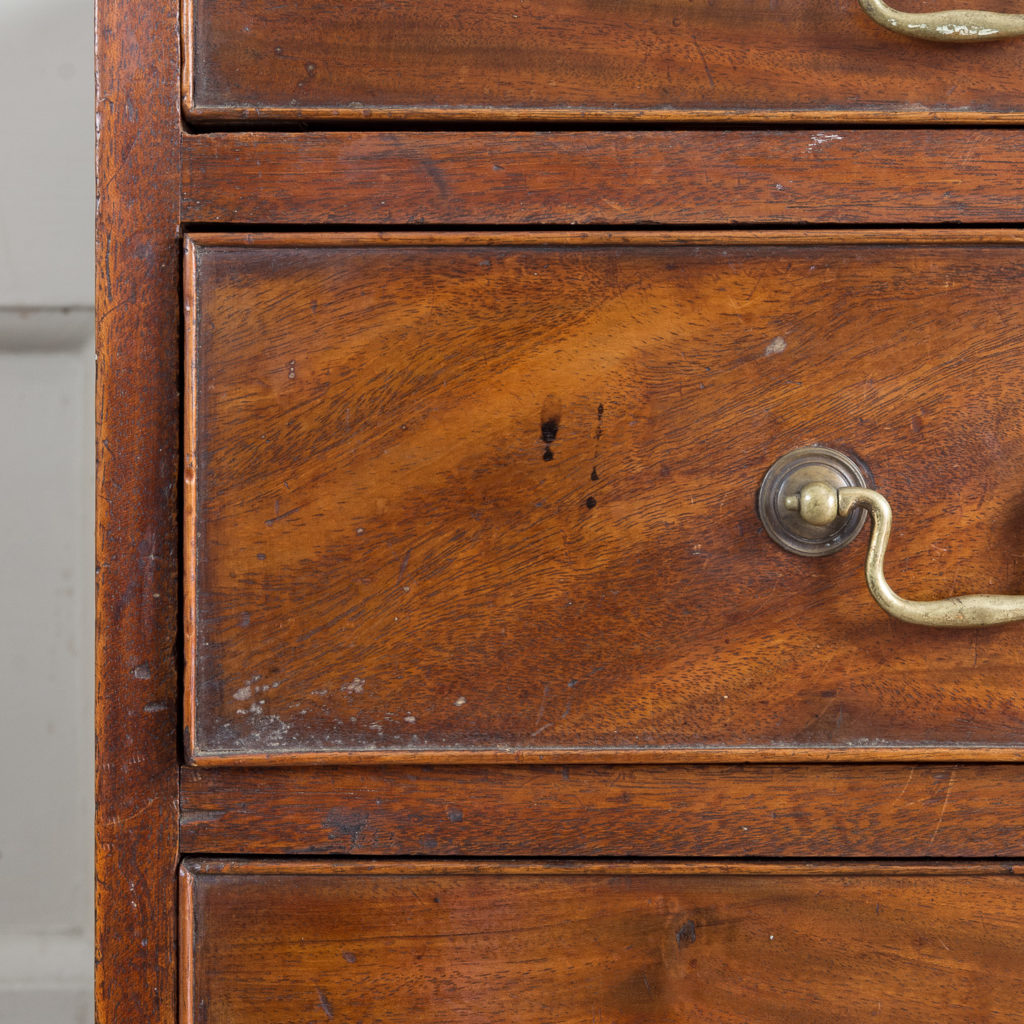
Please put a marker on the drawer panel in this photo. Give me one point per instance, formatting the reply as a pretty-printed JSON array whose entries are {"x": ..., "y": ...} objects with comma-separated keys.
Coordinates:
[
  {"x": 814, "y": 60},
  {"x": 493, "y": 496},
  {"x": 268, "y": 943},
  {"x": 705, "y": 810}
]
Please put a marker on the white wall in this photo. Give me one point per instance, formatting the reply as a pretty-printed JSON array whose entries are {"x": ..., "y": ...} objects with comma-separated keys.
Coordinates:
[{"x": 46, "y": 512}]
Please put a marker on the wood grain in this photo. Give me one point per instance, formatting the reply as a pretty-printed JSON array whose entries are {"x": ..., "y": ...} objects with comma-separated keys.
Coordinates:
[
  {"x": 720, "y": 60},
  {"x": 138, "y": 366},
  {"x": 600, "y": 177},
  {"x": 602, "y": 811},
  {"x": 629, "y": 943},
  {"x": 492, "y": 496}
]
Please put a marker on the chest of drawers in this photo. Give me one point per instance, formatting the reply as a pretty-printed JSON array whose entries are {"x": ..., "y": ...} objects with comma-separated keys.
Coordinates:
[{"x": 446, "y": 670}]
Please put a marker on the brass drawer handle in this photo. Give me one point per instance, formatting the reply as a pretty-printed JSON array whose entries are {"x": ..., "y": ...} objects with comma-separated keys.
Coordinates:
[
  {"x": 947, "y": 26},
  {"x": 823, "y": 505},
  {"x": 806, "y": 508}
]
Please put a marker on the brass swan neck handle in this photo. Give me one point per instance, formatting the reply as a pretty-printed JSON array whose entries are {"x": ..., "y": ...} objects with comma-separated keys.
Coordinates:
[
  {"x": 947, "y": 26},
  {"x": 820, "y": 504}
]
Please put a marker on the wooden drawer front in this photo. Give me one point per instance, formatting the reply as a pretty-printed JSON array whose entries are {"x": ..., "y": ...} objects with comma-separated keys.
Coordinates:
[
  {"x": 274, "y": 944},
  {"x": 669, "y": 59},
  {"x": 494, "y": 496}
]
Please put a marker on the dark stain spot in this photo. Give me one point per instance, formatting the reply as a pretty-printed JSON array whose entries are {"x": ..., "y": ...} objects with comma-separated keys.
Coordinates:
[
  {"x": 565, "y": 773},
  {"x": 437, "y": 899},
  {"x": 917, "y": 424},
  {"x": 548, "y": 454},
  {"x": 342, "y": 825},
  {"x": 349, "y": 958},
  {"x": 550, "y": 419},
  {"x": 687, "y": 935},
  {"x": 325, "y": 1004},
  {"x": 261, "y": 556},
  {"x": 591, "y": 502},
  {"x": 573, "y": 682},
  {"x": 454, "y": 814},
  {"x": 244, "y": 619},
  {"x": 593, "y": 474}
]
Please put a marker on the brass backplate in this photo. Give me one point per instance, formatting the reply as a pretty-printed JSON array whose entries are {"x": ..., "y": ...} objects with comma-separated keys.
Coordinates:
[{"x": 787, "y": 477}]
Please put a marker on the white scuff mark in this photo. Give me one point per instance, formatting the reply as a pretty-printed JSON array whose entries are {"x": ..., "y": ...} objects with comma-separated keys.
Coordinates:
[
  {"x": 356, "y": 686},
  {"x": 410, "y": 719},
  {"x": 460, "y": 701},
  {"x": 244, "y": 693},
  {"x": 819, "y": 139},
  {"x": 775, "y": 346}
]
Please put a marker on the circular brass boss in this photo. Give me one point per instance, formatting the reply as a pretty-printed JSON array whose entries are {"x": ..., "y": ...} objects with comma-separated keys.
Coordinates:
[{"x": 809, "y": 477}]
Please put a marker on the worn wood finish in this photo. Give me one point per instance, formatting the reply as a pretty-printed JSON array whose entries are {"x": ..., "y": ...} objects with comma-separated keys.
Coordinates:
[
  {"x": 665, "y": 177},
  {"x": 629, "y": 943},
  {"x": 492, "y": 497},
  {"x": 601, "y": 811},
  {"x": 138, "y": 365},
  {"x": 722, "y": 60}
]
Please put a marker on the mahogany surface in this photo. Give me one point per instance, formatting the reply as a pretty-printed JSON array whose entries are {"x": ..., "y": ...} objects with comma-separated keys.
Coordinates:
[
  {"x": 492, "y": 496},
  {"x": 644, "y": 942},
  {"x": 864, "y": 810},
  {"x": 615, "y": 646},
  {"x": 138, "y": 275},
  {"x": 721, "y": 60},
  {"x": 819, "y": 176}
]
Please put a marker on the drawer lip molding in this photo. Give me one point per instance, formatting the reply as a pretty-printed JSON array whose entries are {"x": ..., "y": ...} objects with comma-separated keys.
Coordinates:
[
  {"x": 815, "y": 62},
  {"x": 640, "y": 941},
  {"x": 192, "y": 867},
  {"x": 889, "y": 725}
]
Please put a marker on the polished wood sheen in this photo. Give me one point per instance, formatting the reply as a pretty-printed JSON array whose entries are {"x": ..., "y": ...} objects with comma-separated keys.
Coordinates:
[
  {"x": 866, "y": 810},
  {"x": 723, "y": 60},
  {"x": 492, "y": 496},
  {"x": 823, "y": 176},
  {"x": 138, "y": 366},
  {"x": 630, "y": 943}
]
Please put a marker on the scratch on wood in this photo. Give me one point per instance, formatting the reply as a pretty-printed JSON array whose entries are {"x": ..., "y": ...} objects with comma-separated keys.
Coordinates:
[
  {"x": 325, "y": 1004},
  {"x": 945, "y": 804},
  {"x": 906, "y": 784}
]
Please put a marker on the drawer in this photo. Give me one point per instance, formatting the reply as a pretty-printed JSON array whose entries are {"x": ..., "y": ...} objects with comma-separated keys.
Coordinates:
[
  {"x": 267, "y": 943},
  {"x": 719, "y": 60},
  {"x": 493, "y": 497}
]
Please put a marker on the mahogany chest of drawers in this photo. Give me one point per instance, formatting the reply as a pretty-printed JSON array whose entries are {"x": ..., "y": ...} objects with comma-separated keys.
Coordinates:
[{"x": 454, "y": 660}]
